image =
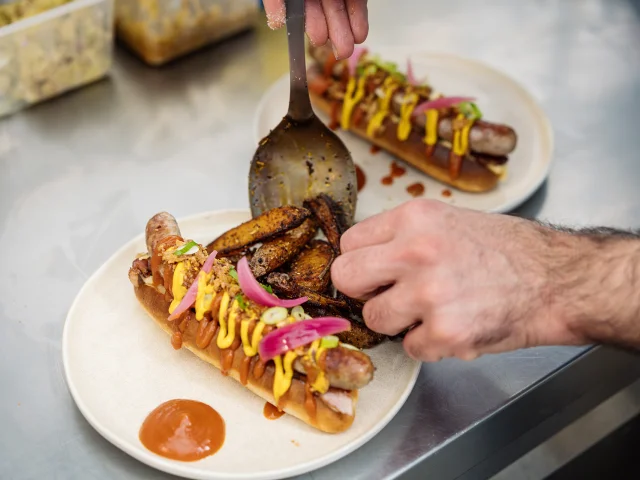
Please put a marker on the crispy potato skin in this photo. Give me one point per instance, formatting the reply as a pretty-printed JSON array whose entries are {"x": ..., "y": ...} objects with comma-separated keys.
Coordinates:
[
  {"x": 330, "y": 217},
  {"x": 259, "y": 229},
  {"x": 283, "y": 284},
  {"x": 279, "y": 250},
  {"x": 360, "y": 336},
  {"x": 311, "y": 269}
]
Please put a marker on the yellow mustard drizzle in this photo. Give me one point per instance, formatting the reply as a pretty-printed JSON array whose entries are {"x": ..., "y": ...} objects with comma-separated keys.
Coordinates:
[
  {"x": 431, "y": 127},
  {"x": 352, "y": 97},
  {"x": 408, "y": 105},
  {"x": 178, "y": 289},
  {"x": 284, "y": 374},
  {"x": 389, "y": 88},
  {"x": 251, "y": 347},
  {"x": 321, "y": 384},
  {"x": 205, "y": 295},
  {"x": 460, "y": 142},
  {"x": 225, "y": 338}
]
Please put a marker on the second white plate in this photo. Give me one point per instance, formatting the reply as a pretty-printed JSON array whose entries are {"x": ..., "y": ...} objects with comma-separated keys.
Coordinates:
[{"x": 501, "y": 99}]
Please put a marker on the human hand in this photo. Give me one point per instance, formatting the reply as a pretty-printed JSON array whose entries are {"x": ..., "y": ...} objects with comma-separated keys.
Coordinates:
[
  {"x": 471, "y": 283},
  {"x": 343, "y": 22}
]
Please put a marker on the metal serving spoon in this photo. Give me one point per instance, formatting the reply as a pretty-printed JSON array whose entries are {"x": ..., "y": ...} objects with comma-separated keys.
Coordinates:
[{"x": 301, "y": 157}]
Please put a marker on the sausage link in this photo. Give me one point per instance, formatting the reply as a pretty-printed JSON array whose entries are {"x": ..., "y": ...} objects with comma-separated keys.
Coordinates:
[
  {"x": 159, "y": 227},
  {"x": 344, "y": 368}
]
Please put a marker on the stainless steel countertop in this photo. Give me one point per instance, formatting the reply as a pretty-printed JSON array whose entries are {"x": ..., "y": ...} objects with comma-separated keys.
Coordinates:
[{"x": 80, "y": 175}]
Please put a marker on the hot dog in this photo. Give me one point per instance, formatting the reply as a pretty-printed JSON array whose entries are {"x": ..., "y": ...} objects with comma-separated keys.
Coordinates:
[
  {"x": 447, "y": 140},
  {"x": 199, "y": 301}
]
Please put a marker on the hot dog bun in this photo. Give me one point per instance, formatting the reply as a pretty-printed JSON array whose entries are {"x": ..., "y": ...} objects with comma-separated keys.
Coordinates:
[
  {"x": 322, "y": 417},
  {"x": 473, "y": 177}
]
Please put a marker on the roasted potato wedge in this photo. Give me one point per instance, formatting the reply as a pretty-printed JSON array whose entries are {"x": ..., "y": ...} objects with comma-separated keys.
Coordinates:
[
  {"x": 283, "y": 284},
  {"x": 271, "y": 223},
  {"x": 360, "y": 336},
  {"x": 311, "y": 269},
  {"x": 330, "y": 217},
  {"x": 279, "y": 250}
]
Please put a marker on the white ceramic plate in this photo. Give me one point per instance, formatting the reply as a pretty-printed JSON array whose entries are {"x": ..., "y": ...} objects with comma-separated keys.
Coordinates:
[
  {"x": 501, "y": 100},
  {"x": 119, "y": 366}
]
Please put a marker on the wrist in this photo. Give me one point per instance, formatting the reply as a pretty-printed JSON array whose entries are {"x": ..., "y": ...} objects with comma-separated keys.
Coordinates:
[{"x": 594, "y": 287}]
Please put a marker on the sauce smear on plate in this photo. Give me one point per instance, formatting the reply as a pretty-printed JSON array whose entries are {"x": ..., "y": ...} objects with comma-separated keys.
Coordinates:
[
  {"x": 396, "y": 171},
  {"x": 271, "y": 412},
  {"x": 362, "y": 179},
  {"x": 185, "y": 430},
  {"x": 416, "y": 189}
]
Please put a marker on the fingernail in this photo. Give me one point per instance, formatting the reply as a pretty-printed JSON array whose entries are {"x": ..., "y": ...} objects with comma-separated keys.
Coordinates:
[{"x": 335, "y": 51}]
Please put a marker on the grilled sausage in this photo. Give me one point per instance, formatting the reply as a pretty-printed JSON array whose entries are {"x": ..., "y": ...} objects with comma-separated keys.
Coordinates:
[
  {"x": 159, "y": 227},
  {"x": 344, "y": 368}
]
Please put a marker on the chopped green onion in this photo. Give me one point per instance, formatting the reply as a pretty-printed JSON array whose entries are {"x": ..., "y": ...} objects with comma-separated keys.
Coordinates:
[
  {"x": 186, "y": 248},
  {"x": 298, "y": 313},
  {"x": 274, "y": 315},
  {"x": 366, "y": 70},
  {"x": 241, "y": 301},
  {"x": 470, "y": 110},
  {"x": 267, "y": 287},
  {"x": 330, "y": 341},
  {"x": 233, "y": 274}
]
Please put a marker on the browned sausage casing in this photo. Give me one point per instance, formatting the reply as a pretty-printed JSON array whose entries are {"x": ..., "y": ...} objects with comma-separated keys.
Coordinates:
[{"x": 159, "y": 227}]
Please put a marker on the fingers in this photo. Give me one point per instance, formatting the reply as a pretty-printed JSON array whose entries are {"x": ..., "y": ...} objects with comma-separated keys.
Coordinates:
[
  {"x": 275, "y": 13},
  {"x": 389, "y": 313},
  {"x": 371, "y": 231},
  {"x": 436, "y": 339},
  {"x": 316, "y": 24},
  {"x": 360, "y": 273},
  {"x": 339, "y": 27},
  {"x": 358, "y": 17}
]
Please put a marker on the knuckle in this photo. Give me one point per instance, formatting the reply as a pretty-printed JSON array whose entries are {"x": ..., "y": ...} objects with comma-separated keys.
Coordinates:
[
  {"x": 419, "y": 207},
  {"x": 418, "y": 348},
  {"x": 414, "y": 253},
  {"x": 347, "y": 240},
  {"x": 446, "y": 333},
  {"x": 433, "y": 292},
  {"x": 374, "y": 314},
  {"x": 466, "y": 355}
]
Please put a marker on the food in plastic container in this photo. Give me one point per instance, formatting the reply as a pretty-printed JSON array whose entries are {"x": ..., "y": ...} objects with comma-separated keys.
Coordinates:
[
  {"x": 161, "y": 30},
  {"x": 48, "y": 47}
]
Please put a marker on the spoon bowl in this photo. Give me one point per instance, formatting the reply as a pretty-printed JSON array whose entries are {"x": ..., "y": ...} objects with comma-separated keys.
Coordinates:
[{"x": 301, "y": 158}]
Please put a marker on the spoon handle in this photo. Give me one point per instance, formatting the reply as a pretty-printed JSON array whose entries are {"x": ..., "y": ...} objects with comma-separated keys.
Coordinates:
[{"x": 299, "y": 103}]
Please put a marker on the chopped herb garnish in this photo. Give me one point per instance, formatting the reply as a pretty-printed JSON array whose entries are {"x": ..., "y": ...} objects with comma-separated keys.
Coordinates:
[
  {"x": 233, "y": 274},
  {"x": 267, "y": 287},
  {"x": 186, "y": 247},
  {"x": 366, "y": 70},
  {"x": 241, "y": 301},
  {"x": 470, "y": 110}
]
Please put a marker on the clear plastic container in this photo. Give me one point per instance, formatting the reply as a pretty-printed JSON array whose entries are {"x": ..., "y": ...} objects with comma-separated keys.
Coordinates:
[
  {"x": 49, "y": 53},
  {"x": 161, "y": 30}
]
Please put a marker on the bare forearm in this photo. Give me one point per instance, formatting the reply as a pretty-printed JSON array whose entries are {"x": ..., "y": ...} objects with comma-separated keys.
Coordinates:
[{"x": 594, "y": 281}]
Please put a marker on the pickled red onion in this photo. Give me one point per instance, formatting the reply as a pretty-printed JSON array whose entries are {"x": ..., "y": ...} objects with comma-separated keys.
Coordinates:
[
  {"x": 444, "y": 102},
  {"x": 254, "y": 291},
  {"x": 298, "y": 334},
  {"x": 354, "y": 58},
  {"x": 190, "y": 297}
]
